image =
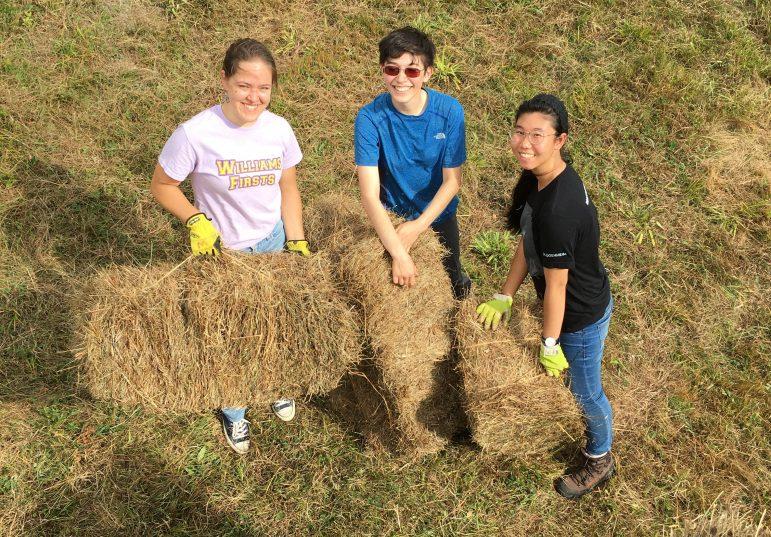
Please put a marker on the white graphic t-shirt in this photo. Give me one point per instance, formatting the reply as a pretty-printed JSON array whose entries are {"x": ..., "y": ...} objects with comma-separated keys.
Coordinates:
[{"x": 234, "y": 171}]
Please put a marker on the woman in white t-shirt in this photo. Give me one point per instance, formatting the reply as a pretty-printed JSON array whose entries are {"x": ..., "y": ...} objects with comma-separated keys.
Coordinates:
[{"x": 240, "y": 159}]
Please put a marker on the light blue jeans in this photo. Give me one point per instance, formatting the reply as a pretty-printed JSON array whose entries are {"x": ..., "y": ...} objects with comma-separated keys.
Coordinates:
[
  {"x": 274, "y": 242},
  {"x": 583, "y": 350}
]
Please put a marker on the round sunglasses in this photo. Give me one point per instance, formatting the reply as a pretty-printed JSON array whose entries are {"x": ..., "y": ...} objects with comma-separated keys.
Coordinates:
[{"x": 411, "y": 72}]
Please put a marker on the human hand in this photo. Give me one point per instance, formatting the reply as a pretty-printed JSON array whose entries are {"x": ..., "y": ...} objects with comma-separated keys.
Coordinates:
[
  {"x": 403, "y": 271},
  {"x": 495, "y": 310},
  {"x": 408, "y": 232},
  {"x": 204, "y": 237},
  {"x": 552, "y": 358},
  {"x": 298, "y": 247}
]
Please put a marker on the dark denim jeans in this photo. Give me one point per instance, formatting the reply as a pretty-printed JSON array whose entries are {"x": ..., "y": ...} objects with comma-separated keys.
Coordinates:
[
  {"x": 449, "y": 236},
  {"x": 583, "y": 350}
]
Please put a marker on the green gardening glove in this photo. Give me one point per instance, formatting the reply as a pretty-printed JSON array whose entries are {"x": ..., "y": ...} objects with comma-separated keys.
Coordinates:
[
  {"x": 494, "y": 310},
  {"x": 298, "y": 247},
  {"x": 551, "y": 357},
  {"x": 204, "y": 237}
]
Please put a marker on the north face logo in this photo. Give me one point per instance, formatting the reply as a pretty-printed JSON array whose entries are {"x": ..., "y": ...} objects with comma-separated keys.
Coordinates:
[{"x": 440, "y": 136}]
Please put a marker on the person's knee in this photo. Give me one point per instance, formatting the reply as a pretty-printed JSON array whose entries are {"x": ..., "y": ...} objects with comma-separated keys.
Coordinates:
[{"x": 590, "y": 399}]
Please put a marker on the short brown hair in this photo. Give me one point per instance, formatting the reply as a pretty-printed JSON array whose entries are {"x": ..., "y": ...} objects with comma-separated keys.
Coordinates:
[{"x": 244, "y": 50}]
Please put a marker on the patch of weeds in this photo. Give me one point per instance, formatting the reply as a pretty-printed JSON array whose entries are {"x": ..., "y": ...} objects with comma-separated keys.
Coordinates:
[
  {"x": 48, "y": 467},
  {"x": 317, "y": 152},
  {"x": 175, "y": 8},
  {"x": 18, "y": 17},
  {"x": 117, "y": 421},
  {"x": 682, "y": 410},
  {"x": 523, "y": 484},
  {"x": 446, "y": 71},
  {"x": 8, "y": 482},
  {"x": 61, "y": 417},
  {"x": 647, "y": 226},
  {"x": 430, "y": 24},
  {"x": 18, "y": 69},
  {"x": 635, "y": 34},
  {"x": 201, "y": 461},
  {"x": 495, "y": 6},
  {"x": 65, "y": 48},
  {"x": 494, "y": 247}
]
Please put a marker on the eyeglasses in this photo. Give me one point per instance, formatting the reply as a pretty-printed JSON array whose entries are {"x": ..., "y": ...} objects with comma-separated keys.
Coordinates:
[
  {"x": 536, "y": 138},
  {"x": 411, "y": 72}
]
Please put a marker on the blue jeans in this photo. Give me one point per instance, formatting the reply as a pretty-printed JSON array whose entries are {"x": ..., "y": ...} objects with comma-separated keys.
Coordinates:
[
  {"x": 274, "y": 242},
  {"x": 583, "y": 350}
]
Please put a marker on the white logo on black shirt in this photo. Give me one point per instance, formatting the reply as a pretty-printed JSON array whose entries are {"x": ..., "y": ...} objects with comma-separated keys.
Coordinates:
[
  {"x": 560, "y": 254},
  {"x": 586, "y": 194}
]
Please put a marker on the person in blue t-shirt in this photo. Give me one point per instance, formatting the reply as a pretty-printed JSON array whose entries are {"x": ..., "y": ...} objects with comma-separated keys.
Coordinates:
[{"x": 410, "y": 143}]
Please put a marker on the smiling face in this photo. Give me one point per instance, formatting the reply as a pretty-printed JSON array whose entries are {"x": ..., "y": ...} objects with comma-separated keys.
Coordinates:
[
  {"x": 406, "y": 94},
  {"x": 248, "y": 91},
  {"x": 535, "y": 142}
]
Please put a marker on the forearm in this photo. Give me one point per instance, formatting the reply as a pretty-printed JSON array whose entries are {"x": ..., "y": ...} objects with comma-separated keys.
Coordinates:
[
  {"x": 517, "y": 271},
  {"x": 553, "y": 310},
  {"x": 292, "y": 214},
  {"x": 171, "y": 198},
  {"x": 451, "y": 180},
  {"x": 379, "y": 219}
]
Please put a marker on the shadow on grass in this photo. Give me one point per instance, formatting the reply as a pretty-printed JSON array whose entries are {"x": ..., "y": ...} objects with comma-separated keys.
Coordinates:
[
  {"x": 84, "y": 226},
  {"x": 36, "y": 364},
  {"x": 60, "y": 230},
  {"x": 135, "y": 494},
  {"x": 366, "y": 408}
]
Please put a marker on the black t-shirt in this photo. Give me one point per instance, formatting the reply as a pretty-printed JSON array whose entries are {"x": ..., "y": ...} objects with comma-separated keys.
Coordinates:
[{"x": 561, "y": 230}]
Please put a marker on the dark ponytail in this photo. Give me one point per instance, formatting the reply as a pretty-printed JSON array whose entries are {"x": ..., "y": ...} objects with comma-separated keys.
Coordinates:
[
  {"x": 527, "y": 182},
  {"x": 551, "y": 106}
]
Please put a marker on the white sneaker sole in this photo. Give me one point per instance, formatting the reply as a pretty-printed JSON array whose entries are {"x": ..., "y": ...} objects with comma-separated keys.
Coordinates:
[{"x": 284, "y": 414}]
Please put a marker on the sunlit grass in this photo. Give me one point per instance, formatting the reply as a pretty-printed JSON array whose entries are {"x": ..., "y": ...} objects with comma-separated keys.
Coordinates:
[{"x": 669, "y": 106}]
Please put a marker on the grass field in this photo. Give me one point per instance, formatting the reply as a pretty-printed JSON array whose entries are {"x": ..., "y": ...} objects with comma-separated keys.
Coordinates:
[{"x": 670, "y": 105}]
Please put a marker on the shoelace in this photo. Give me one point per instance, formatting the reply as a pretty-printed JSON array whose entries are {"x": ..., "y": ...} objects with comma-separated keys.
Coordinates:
[
  {"x": 586, "y": 472},
  {"x": 240, "y": 429}
]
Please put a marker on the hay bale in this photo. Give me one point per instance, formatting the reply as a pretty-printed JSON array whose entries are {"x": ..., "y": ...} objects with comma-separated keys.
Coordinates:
[
  {"x": 131, "y": 338},
  {"x": 335, "y": 222},
  {"x": 232, "y": 331},
  {"x": 404, "y": 392},
  {"x": 514, "y": 408}
]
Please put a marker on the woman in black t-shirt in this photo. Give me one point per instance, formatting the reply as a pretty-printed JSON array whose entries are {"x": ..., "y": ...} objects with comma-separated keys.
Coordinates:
[{"x": 559, "y": 249}]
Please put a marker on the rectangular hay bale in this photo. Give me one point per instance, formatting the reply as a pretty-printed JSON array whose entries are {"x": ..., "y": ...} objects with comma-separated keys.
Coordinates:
[
  {"x": 514, "y": 408},
  {"x": 405, "y": 388},
  {"x": 237, "y": 330}
]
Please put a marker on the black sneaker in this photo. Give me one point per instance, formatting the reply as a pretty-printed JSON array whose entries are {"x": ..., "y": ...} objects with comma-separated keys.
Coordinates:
[
  {"x": 591, "y": 475},
  {"x": 462, "y": 288},
  {"x": 236, "y": 433}
]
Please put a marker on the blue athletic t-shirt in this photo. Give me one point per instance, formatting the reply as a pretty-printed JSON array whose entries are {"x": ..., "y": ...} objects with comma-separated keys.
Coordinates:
[{"x": 410, "y": 151}]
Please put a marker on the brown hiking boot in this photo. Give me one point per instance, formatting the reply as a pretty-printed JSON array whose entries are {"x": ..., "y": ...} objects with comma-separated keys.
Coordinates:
[{"x": 593, "y": 473}]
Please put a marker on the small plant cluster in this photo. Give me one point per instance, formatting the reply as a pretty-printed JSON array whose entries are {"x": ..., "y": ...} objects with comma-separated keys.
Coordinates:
[{"x": 494, "y": 248}]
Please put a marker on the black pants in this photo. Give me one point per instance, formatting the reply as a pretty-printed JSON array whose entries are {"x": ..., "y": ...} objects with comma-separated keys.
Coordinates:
[{"x": 449, "y": 236}]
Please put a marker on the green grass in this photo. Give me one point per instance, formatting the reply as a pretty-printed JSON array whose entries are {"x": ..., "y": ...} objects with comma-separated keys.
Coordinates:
[{"x": 669, "y": 105}]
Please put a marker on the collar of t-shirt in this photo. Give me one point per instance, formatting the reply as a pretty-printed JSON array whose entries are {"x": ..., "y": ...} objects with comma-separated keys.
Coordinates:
[
  {"x": 537, "y": 197},
  {"x": 413, "y": 116}
]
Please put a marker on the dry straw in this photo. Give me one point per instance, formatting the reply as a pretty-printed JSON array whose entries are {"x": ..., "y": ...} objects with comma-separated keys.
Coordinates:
[
  {"x": 514, "y": 408},
  {"x": 236, "y": 330},
  {"x": 402, "y": 396}
]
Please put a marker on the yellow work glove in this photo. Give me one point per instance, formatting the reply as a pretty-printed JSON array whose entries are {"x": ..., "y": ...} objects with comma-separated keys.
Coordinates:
[
  {"x": 495, "y": 310},
  {"x": 298, "y": 247},
  {"x": 551, "y": 357},
  {"x": 204, "y": 237}
]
